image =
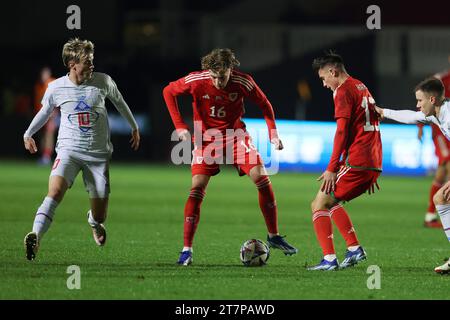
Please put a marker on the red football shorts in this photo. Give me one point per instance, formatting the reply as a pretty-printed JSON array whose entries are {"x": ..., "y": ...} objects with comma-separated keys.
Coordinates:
[
  {"x": 351, "y": 182},
  {"x": 240, "y": 152},
  {"x": 442, "y": 148}
]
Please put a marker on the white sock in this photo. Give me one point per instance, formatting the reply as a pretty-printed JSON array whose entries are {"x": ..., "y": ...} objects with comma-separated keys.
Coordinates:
[
  {"x": 353, "y": 248},
  {"x": 429, "y": 216},
  {"x": 444, "y": 213},
  {"x": 44, "y": 216},
  {"x": 187, "y": 249},
  {"x": 91, "y": 220},
  {"x": 330, "y": 257}
]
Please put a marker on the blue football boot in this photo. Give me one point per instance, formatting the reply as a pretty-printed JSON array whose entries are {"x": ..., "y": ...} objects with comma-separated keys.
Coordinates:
[
  {"x": 278, "y": 242},
  {"x": 353, "y": 257},
  {"x": 325, "y": 265},
  {"x": 185, "y": 258}
]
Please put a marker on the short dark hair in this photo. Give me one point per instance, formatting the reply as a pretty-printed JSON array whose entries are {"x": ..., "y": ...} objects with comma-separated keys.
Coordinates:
[
  {"x": 432, "y": 86},
  {"x": 219, "y": 59},
  {"x": 330, "y": 58}
]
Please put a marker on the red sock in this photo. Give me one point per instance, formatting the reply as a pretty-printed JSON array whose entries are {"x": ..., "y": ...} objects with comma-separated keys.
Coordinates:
[
  {"x": 324, "y": 231},
  {"x": 344, "y": 224},
  {"x": 267, "y": 204},
  {"x": 192, "y": 214},
  {"x": 47, "y": 152},
  {"x": 435, "y": 186}
]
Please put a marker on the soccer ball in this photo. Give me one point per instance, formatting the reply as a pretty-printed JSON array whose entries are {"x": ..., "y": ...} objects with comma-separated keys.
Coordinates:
[{"x": 254, "y": 253}]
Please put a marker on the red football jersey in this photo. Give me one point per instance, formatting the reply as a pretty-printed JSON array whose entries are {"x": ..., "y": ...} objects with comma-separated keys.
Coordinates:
[
  {"x": 445, "y": 78},
  {"x": 352, "y": 100},
  {"x": 217, "y": 108},
  {"x": 435, "y": 130}
]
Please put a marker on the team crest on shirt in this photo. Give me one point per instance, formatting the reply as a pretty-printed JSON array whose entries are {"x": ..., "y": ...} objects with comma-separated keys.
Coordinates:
[
  {"x": 233, "y": 96},
  {"x": 84, "y": 120},
  {"x": 199, "y": 160},
  {"x": 82, "y": 106},
  {"x": 83, "y": 117}
]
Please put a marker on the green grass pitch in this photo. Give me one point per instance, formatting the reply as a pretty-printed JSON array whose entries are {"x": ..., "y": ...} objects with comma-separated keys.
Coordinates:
[{"x": 145, "y": 236}]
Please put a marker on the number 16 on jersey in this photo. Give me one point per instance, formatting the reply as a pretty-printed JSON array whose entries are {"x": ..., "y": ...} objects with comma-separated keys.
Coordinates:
[{"x": 365, "y": 104}]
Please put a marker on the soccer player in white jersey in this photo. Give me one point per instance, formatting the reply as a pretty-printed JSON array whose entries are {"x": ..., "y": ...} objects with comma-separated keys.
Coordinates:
[
  {"x": 434, "y": 108},
  {"x": 83, "y": 140}
]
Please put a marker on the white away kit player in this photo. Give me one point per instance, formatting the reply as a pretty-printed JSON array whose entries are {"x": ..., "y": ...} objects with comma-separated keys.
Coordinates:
[
  {"x": 434, "y": 108},
  {"x": 83, "y": 142}
]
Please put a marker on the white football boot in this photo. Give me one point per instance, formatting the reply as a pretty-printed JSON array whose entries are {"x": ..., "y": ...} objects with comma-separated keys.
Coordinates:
[{"x": 445, "y": 268}]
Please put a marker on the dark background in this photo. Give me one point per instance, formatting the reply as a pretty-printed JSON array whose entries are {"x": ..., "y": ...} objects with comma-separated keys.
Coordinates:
[{"x": 145, "y": 44}]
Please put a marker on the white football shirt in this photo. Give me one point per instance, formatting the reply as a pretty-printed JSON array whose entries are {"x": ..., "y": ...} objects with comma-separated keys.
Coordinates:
[{"x": 84, "y": 127}]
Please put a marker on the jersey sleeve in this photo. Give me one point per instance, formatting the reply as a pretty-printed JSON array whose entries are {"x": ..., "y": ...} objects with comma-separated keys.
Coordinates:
[
  {"x": 257, "y": 96},
  {"x": 406, "y": 116},
  {"x": 170, "y": 93},
  {"x": 116, "y": 98},
  {"x": 343, "y": 103},
  {"x": 340, "y": 141},
  {"x": 41, "y": 118}
]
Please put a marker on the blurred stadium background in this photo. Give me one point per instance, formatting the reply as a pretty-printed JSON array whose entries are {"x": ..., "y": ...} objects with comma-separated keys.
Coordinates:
[{"x": 144, "y": 45}]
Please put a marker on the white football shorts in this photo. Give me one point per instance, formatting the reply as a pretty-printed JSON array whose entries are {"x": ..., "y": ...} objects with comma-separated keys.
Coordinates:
[{"x": 95, "y": 174}]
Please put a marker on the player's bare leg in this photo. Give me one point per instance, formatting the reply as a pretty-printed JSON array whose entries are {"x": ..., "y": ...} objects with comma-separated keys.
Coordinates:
[
  {"x": 96, "y": 218},
  {"x": 57, "y": 187},
  {"x": 268, "y": 206},
  {"x": 442, "y": 202},
  {"x": 192, "y": 216}
]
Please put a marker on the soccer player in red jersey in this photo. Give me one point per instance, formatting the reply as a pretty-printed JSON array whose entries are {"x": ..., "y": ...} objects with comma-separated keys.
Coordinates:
[
  {"x": 218, "y": 93},
  {"x": 48, "y": 136},
  {"x": 355, "y": 162},
  {"x": 445, "y": 78}
]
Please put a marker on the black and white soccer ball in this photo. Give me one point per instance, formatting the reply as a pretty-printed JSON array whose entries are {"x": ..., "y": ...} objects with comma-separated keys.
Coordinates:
[{"x": 254, "y": 253}]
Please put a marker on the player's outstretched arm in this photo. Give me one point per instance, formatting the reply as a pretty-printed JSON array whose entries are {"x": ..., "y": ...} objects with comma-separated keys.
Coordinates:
[{"x": 403, "y": 116}]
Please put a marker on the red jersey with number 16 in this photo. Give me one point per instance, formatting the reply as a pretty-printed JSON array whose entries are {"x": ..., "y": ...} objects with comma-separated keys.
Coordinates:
[
  {"x": 219, "y": 109},
  {"x": 352, "y": 100}
]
